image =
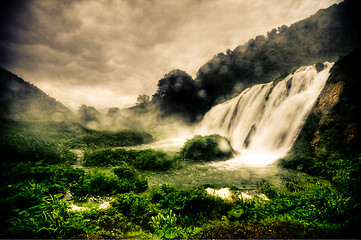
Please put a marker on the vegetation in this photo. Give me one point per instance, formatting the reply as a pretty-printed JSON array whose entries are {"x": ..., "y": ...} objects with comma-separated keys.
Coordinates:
[
  {"x": 22, "y": 100},
  {"x": 320, "y": 37},
  {"x": 106, "y": 184},
  {"x": 67, "y": 135},
  {"x": 324, "y": 36},
  {"x": 43, "y": 195},
  {"x": 207, "y": 148},
  {"x": 329, "y": 143},
  {"x": 96, "y": 139},
  {"x": 35, "y": 197},
  {"x": 141, "y": 159},
  {"x": 179, "y": 94}
]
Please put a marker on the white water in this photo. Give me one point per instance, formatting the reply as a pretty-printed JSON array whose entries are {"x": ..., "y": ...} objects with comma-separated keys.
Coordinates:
[{"x": 263, "y": 122}]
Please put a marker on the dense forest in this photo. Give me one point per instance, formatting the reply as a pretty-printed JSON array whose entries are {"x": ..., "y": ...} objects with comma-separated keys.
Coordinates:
[{"x": 95, "y": 175}]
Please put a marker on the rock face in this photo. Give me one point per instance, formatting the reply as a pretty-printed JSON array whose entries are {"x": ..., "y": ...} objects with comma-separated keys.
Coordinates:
[
  {"x": 328, "y": 98},
  {"x": 326, "y": 101},
  {"x": 333, "y": 128}
]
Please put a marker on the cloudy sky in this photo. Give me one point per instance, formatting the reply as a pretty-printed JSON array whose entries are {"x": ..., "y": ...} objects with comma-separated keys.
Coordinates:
[{"x": 105, "y": 53}]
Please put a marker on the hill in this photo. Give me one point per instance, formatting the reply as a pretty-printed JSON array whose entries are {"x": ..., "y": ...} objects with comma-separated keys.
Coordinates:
[
  {"x": 324, "y": 36},
  {"x": 21, "y": 100}
]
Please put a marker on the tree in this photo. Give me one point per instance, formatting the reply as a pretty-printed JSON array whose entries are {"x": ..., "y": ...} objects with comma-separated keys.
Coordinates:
[
  {"x": 142, "y": 99},
  {"x": 113, "y": 111},
  {"x": 88, "y": 114},
  {"x": 178, "y": 93}
]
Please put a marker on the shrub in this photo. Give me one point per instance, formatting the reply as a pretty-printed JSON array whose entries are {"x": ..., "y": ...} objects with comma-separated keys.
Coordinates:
[
  {"x": 131, "y": 204},
  {"x": 141, "y": 159},
  {"x": 17, "y": 147},
  {"x": 150, "y": 159},
  {"x": 313, "y": 201},
  {"x": 206, "y": 148},
  {"x": 195, "y": 204},
  {"x": 111, "y": 139},
  {"x": 124, "y": 171},
  {"x": 100, "y": 184}
]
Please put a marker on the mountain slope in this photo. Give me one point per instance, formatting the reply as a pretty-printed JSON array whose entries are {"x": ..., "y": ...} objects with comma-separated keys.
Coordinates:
[
  {"x": 22, "y": 100},
  {"x": 326, "y": 35}
]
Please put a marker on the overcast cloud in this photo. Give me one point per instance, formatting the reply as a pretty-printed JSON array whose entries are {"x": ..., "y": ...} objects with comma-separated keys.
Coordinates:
[{"x": 106, "y": 53}]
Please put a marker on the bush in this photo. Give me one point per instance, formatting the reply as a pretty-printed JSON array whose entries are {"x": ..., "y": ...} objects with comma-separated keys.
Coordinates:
[
  {"x": 100, "y": 184},
  {"x": 165, "y": 226},
  {"x": 150, "y": 159},
  {"x": 124, "y": 171},
  {"x": 131, "y": 204},
  {"x": 141, "y": 159},
  {"x": 17, "y": 147},
  {"x": 313, "y": 201},
  {"x": 111, "y": 139},
  {"x": 207, "y": 148},
  {"x": 195, "y": 204},
  {"x": 41, "y": 171}
]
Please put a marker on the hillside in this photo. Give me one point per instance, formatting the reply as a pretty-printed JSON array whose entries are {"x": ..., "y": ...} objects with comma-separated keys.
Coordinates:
[
  {"x": 324, "y": 36},
  {"x": 22, "y": 100}
]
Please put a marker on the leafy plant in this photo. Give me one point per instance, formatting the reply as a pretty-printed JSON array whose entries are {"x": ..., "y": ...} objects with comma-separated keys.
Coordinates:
[
  {"x": 165, "y": 227},
  {"x": 131, "y": 204},
  {"x": 236, "y": 212},
  {"x": 48, "y": 219}
]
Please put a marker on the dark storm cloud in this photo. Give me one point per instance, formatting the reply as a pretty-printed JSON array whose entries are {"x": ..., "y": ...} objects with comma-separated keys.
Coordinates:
[
  {"x": 10, "y": 21},
  {"x": 106, "y": 52}
]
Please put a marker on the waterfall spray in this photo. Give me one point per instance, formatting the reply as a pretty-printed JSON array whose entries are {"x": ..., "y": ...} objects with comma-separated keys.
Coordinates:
[{"x": 263, "y": 122}]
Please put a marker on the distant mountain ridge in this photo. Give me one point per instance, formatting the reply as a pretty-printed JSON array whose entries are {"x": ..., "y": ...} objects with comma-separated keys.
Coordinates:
[{"x": 21, "y": 100}]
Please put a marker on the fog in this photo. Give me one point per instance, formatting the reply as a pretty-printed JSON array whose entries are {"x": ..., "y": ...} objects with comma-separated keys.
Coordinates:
[{"x": 106, "y": 53}]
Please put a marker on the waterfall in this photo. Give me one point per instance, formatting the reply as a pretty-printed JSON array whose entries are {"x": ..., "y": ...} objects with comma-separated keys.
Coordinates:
[{"x": 263, "y": 121}]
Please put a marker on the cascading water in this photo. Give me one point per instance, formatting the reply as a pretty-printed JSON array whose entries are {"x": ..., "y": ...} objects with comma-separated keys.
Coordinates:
[{"x": 263, "y": 122}]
